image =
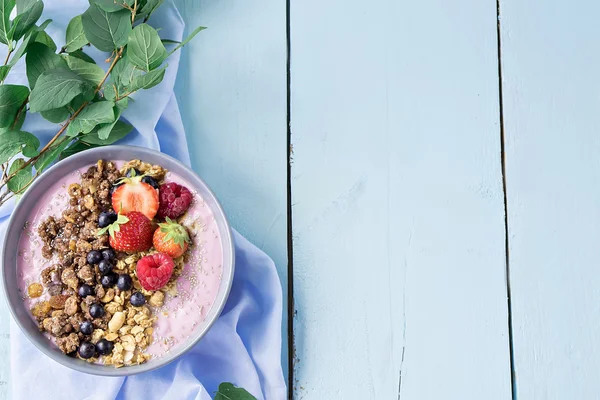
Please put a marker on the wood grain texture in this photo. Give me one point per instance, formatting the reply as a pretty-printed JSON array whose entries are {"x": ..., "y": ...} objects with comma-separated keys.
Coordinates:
[
  {"x": 550, "y": 68},
  {"x": 232, "y": 92},
  {"x": 399, "y": 273}
]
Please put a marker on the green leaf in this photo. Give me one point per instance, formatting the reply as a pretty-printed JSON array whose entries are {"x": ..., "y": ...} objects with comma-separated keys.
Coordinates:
[
  {"x": 229, "y": 392},
  {"x": 57, "y": 115},
  {"x": 75, "y": 35},
  {"x": 169, "y": 41},
  {"x": 149, "y": 7},
  {"x": 12, "y": 98},
  {"x": 187, "y": 39},
  {"x": 104, "y": 130},
  {"x": 51, "y": 155},
  {"x": 30, "y": 149},
  {"x": 40, "y": 59},
  {"x": 124, "y": 72},
  {"x": 118, "y": 131},
  {"x": 96, "y": 113},
  {"x": 22, "y": 178},
  {"x": 6, "y": 7},
  {"x": 82, "y": 56},
  {"x": 57, "y": 88},
  {"x": 45, "y": 39},
  {"x": 76, "y": 147},
  {"x": 4, "y": 69},
  {"x": 144, "y": 49},
  {"x": 12, "y": 142},
  {"x": 28, "y": 19},
  {"x": 88, "y": 71},
  {"x": 29, "y": 38},
  {"x": 122, "y": 104},
  {"x": 20, "y": 121},
  {"x": 107, "y": 31},
  {"x": 112, "y": 5},
  {"x": 23, "y": 5},
  {"x": 148, "y": 80},
  {"x": 13, "y": 28}
]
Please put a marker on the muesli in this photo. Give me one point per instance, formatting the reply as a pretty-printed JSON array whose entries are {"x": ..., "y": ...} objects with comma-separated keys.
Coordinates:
[{"x": 120, "y": 262}]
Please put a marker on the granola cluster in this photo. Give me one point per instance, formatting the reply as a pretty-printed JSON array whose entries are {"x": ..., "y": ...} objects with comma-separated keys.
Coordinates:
[{"x": 65, "y": 307}]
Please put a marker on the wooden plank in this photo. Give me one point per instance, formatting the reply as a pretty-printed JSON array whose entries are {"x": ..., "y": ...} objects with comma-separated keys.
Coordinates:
[
  {"x": 550, "y": 69},
  {"x": 399, "y": 272},
  {"x": 232, "y": 92}
]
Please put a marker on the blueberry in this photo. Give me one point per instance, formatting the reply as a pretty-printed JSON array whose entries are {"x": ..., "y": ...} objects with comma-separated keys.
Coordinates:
[
  {"x": 137, "y": 299},
  {"x": 94, "y": 257},
  {"x": 105, "y": 267},
  {"x": 97, "y": 310},
  {"x": 109, "y": 280},
  {"x": 104, "y": 347},
  {"x": 150, "y": 181},
  {"x": 133, "y": 172},
  {"x": 124, "y": 282},
  {"x": 87, "y": 350},
  {"x": 85, "y": 291},
  {"x": 86, "y": 328},
  {"x": 106, "y": 218},
  {"x": 109, "y": 254}
]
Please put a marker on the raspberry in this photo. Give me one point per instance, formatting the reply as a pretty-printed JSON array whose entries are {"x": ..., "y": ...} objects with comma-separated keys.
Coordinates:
[
  {"x": 174, "y": 200},
  {"x": 154, "y": 271}
]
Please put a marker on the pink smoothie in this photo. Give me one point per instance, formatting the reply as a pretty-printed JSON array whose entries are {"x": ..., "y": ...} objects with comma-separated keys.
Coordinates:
[{"x": 197, "y": 287}]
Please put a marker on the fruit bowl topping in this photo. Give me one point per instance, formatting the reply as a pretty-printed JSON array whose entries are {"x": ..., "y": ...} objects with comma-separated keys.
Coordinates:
[
  {"x": 154, "y": 271},
  {"x": 171, "y": 238},
  {"x": 174, "y": 200},
  {"x": 130, "y": 233},
  {"x": 133, "y": 194}
]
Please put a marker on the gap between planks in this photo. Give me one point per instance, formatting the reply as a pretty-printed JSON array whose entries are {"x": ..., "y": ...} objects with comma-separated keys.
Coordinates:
[
  {"x": 504, "y": 192},
  {"x": 290, "y": 247}
]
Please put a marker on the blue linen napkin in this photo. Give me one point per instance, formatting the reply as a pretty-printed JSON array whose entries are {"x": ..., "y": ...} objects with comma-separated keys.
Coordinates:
[{"x": 244, "y": 345}]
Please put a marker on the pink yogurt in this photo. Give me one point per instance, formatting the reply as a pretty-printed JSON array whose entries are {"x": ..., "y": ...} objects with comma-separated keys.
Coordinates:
[{"x": 197, "y": 286}]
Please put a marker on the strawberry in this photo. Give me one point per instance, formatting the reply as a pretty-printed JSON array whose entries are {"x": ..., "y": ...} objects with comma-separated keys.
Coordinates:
[
  {"x": 130, "y": 233},
  {"x": 135, "y": 195},
  {"x": 154, "y": 271},
  {"x": 171, "y": 238}
]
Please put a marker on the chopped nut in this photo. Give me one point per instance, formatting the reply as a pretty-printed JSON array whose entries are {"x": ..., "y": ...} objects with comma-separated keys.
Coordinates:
[
  {"x": 35, "y": 290},
  {"x": 83, "y": 246},
  {"x": 117, "y": 321},
  {"x": 136, "y": 329},
  {"x": 113, "y": 307},
  {"x": 125, "y": 329},
  {"x": 97, "y": 335},
  {"x": 88, "y": 202},
  {"x": 111, "y": 336},
  {"x": 71, "y": 305},
  {"x": 157, "y": 299},
  {"x": 109, "y": 296},
  {"x": 128, "y": 356},
  {"x": 86, "y": 274},
  {"x": 139, "y": 337},
  {"x": 68, "y": 344},
  {"x": 69, "y": 278}
]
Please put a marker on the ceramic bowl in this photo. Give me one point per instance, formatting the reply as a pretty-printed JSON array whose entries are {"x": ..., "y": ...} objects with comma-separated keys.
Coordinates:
[{"x": 28, "y": 201}]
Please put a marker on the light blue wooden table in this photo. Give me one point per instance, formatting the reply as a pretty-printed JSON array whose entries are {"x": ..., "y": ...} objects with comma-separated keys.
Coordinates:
[{"x": 444, "y": 187}]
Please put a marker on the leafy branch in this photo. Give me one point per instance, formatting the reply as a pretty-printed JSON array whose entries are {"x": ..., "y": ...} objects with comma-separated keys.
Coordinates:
[{"x": 67, "y": 87}]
